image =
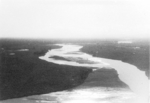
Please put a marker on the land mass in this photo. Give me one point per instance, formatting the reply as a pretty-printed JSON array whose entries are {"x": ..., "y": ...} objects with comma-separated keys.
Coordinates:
[
  {"x": 22, "y": 73},
  {"x": 136, "y": 53}
]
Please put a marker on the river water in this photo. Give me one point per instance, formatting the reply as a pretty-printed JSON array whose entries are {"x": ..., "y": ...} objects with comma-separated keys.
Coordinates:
[{"x": 136, "y": 80}]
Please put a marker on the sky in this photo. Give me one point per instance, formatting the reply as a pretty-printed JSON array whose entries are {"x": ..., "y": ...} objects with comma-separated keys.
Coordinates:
[{"x": 74, "y": 18}]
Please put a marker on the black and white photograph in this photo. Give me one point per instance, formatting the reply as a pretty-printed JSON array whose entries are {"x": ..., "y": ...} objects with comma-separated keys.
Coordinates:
[{"x": 74, "y": 51}]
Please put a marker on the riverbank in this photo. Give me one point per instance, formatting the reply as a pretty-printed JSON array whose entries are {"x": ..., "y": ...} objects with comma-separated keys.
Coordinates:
[
  {"x": 135, "y": 53},
  {"x": 24, "y": 74}
]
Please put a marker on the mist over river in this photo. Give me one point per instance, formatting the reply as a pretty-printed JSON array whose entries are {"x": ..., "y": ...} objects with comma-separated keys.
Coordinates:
[{"x": 69, "y": 54}]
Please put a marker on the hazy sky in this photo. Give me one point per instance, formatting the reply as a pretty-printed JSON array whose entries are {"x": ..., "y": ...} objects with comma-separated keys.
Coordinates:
[{"x": 75, "y": 18}]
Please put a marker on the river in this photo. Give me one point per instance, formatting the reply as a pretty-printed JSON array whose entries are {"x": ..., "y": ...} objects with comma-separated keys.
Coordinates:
[{"x": 136, "y": 80}]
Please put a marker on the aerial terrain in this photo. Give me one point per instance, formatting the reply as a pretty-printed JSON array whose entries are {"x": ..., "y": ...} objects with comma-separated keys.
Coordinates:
[{"x": 62, "y": 71}]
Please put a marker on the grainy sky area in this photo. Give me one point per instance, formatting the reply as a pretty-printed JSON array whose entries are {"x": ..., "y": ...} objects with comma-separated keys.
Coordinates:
[{"x": 75, "y": 18}]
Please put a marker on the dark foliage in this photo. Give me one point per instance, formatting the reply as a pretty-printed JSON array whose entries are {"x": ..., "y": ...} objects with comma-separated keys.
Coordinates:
[{"x": 24, "y": 74}]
